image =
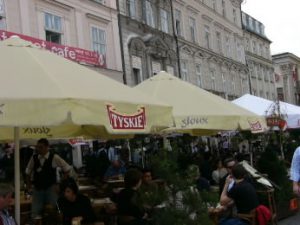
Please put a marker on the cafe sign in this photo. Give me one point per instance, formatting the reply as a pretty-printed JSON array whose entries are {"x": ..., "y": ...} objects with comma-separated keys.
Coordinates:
[
  {"x": 120, "y": 121},
  {"x": 75, "y": 54}
]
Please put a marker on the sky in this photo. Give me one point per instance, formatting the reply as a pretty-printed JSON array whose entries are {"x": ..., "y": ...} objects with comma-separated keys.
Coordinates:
[{"x": 281, "y": 20}]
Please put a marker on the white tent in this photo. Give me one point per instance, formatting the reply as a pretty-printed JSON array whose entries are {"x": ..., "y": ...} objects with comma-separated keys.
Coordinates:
[{"x": 264, "y": 107}]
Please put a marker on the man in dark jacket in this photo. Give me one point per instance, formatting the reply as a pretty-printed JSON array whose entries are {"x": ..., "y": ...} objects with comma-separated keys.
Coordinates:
[{"x": 41, "y": 172}]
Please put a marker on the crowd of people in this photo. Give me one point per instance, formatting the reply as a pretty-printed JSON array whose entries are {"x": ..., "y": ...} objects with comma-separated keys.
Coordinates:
[{"x": 114, "y": 162}]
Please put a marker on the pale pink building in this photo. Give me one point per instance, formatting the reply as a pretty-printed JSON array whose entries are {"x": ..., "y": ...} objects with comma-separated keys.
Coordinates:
[{"x": 91, "y": 25}]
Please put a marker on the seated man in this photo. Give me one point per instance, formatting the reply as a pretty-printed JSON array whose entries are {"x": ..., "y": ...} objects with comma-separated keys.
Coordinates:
[
  {"x": 115, "y": 170},
  {"x": 242, "y": 194}
]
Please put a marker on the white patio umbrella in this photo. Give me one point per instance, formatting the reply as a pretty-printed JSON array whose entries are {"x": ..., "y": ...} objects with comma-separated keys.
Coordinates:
[
  {"x": 197, "y": 111},
  {"x": 40, "y": 90}
]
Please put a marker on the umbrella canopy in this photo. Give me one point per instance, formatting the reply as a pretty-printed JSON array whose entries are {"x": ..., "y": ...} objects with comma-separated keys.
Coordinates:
[
  {"x": 39, "y": 88},
  {"x": 264, "y": 107},
  {"x": 196, "y": 110}
]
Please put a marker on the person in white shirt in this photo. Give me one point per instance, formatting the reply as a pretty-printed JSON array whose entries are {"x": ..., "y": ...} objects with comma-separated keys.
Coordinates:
[{"x": 219, "y": 172}]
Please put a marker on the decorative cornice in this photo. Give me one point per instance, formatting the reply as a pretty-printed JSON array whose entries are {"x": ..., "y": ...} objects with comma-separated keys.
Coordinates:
[
  {"x": 180, "y": 2},
  {"x": 59, "y": 4},
  {"x": 207, "y": 18},
  {"x": 236, "y": 3},
  {"x": 217, "y": 24},
  {"x": 100, "y": 19},
  {"x": 192, "y": 9}
]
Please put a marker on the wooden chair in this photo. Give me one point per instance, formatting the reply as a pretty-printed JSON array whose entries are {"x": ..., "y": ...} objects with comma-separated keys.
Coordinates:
[{"x": 271, "y": 204}]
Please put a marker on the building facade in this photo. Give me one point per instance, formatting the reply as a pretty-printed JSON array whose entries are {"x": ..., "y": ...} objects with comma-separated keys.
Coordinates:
[
  {"x": 90, "y": 25},
  {"x": 147, "y": 38},
  {"x": 210, "y": 41},
  {"x": 258, "y": 58},
  {"x": 286, "y": 76}
]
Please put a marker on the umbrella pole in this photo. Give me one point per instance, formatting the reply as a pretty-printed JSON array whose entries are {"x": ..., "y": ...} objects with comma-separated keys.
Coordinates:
[{"x": 17, "y": 173}]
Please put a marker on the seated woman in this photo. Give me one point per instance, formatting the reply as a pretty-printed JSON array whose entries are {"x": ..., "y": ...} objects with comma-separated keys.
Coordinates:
[
  {"x": 73, "y": 205},
  {"x": 130, "y": 213},
  {"x": 242, "y": 194}
]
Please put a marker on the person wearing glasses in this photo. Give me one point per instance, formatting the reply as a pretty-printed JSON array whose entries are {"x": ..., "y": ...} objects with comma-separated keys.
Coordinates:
[
  {"x": 229, "y": 163},
  {"x": 242, "y": 194}
]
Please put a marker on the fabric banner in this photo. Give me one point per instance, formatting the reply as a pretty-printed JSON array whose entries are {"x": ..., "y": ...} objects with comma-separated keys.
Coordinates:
[{"x": 75, "y": 54}]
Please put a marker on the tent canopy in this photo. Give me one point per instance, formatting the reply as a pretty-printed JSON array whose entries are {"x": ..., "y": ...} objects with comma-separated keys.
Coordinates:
[
  {"x": 265, "y": 107},
  {"x": 196, "y": 110}
]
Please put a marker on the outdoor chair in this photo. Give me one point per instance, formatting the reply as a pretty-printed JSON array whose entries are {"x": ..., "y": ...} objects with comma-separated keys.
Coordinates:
[{"x": 271, "y": 204}]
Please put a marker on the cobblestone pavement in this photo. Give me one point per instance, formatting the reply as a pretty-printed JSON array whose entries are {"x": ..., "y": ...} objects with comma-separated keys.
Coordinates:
[{"x": 293, "y": 220}]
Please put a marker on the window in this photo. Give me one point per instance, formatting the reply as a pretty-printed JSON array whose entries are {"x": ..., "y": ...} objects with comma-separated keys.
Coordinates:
[
  {"x": 164, "y": 23},
  {"x": 254, "y": 46},
  {"x": 219, "y": 42},
  {"x": 149, "y": 14},
  {"x": 223, "y": 8},
  {"x": 156, "y": 67},
  {"x": 213, "y": 80},
  {"x": 258, "y": 49},
  {"x": 247, "y": 44},
  {"x": 178, "y": 22},
  {"x": 131, "y": 8},
  {"x": 261, "y": 50},
  {"x": 250, "y": 23},
  {"x": 228, "y": 49},
  {"x": 214, "y": 4},
  {"x": 233, "y": 84},
  {"x": 136, "y": 75},
  {"x": 2, "y": 23},
  {"x": 207, "y": 36},
  {"x": 184, "y": 71},
  {"x": 257, "y": 26},
  {"x": 137, "y": 69},
  {"x": 193, "y": 29},
  {"x": 261, "y": 93},
  {"x": 239, "y": 52},
  {"x": 170, "y": 70},
  {"x": 234, "y": 16},
  {"x": 244, "y": 19},
  {"x": 273, "y": 97},
  {"x": 254, "y": 92},
  {"x": 2, "y": 16},
  {"x": 53, "y": 28},
  {"x": 99, "y": 40},
  {"x": 99, "y": 1},
  {"x": 224, "y": 83},
  {"x": 198, "y": 74}
]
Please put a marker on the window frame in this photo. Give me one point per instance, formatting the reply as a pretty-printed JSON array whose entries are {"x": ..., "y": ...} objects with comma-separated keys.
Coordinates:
[
  {"x": 93, "y": 42},
  {"x": 184, "y": 70},
  {"x": 164, "y": 20},
  {"x": 192, "y": 26},
  {"x": 199, "y": 74},
  {"x": 207, "y": 36}
]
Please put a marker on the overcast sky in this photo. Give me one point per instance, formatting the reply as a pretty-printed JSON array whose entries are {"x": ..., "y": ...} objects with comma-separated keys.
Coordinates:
[{"x": 281, "y": 20}]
